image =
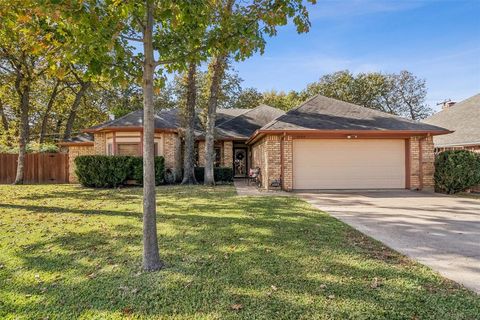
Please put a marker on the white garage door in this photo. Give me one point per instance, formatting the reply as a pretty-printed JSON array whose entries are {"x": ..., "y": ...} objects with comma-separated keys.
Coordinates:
[{"x": 348, "y": 164}]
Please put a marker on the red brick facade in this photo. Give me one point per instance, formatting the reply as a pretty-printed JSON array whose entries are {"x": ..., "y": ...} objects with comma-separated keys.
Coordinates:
[{"x": 273, "y": 154}]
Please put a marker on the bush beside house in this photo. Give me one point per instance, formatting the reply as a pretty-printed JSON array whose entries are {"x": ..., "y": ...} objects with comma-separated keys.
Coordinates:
[
  {"x": 456, "y": 170},
  {"x": 113, "y": 171}
]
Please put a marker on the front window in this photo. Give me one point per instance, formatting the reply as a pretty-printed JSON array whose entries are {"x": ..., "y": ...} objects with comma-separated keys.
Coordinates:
[{"x": 128, "y": 149}]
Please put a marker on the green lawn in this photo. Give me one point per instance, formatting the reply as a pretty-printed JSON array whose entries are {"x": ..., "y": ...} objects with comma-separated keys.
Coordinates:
[{"x": 67, "y": 252}]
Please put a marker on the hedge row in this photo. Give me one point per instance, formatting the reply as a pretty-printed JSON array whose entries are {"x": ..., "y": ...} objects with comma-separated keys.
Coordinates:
[
  {"x": 456, "y": 170},
  {"x": 112, "y": 171},
  {"x": 220, "y": 174}
]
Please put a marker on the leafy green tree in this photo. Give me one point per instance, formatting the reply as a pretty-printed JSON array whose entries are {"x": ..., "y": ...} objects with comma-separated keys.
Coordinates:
[
  {"x": 281, "y": 99},
  {"x": 401, "y": 94}
]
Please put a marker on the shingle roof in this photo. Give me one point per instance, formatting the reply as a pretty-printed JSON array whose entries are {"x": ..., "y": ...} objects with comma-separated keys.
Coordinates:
[
  {"x": 322, "y": 113},
  {"x": 244, "y": 125},
  {"x": 81, "y": 138},
  {"x": 228, "y": 114},
  {"x": 463, "y": 118}
]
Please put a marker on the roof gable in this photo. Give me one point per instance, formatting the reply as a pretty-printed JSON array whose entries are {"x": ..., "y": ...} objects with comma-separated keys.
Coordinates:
[{"x": 463, "y": 118}]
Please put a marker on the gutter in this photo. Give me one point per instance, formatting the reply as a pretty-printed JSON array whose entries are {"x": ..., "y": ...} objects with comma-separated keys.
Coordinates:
[{"x": 259, "y": 133}]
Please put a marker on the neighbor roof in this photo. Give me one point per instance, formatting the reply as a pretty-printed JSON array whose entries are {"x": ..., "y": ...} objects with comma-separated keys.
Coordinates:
[
  {"x": 322, "y": 113},
  {"x": 463, "y": 118}
]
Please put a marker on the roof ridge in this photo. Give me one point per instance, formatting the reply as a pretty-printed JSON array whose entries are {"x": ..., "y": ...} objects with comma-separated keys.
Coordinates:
[
  {"x": 243, "y": 113},
  {"x": 293, "y": 109}
]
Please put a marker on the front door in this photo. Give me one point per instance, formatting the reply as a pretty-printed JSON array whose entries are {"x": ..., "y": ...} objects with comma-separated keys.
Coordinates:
[{"x": 240, "y": 162}]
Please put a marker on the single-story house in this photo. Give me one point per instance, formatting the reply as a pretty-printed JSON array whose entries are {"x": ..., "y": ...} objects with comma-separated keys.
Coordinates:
[
  {"x": 464, "y": 119},
  {"x": 322, "y": 144}
]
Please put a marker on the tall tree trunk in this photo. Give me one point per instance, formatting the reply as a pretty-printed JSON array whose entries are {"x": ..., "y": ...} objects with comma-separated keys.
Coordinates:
[
  {"x": 23, "y": 89},
  {"x": 3, "y": 117},
  {"x": 151, "y": 255},
  {"x": 53, "y": 96},
  {"x": 188, "y": 157},
  {"x": 73, "y": 111},
  {"x": 217, "y": 69}
]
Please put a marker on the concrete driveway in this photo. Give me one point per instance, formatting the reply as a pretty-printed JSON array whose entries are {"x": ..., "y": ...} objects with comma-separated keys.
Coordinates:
[{"x": 442, "y": 232}]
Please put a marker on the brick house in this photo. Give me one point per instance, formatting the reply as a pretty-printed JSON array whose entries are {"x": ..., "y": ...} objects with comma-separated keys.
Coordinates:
[
  {"x": 322, "y": 144},
  {"x": 123, "y": 136}
]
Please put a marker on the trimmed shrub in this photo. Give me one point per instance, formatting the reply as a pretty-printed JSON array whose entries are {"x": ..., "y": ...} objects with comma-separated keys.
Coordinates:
[
  {"x": 456, "y": 170},
  {"x": 220, "y": 174},
  {"x": 112, "y": 171},
  {"x": 137, "y": 170}
]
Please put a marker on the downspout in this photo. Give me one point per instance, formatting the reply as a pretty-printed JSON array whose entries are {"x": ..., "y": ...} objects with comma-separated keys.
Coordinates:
[{"x": 420, "y": 160}]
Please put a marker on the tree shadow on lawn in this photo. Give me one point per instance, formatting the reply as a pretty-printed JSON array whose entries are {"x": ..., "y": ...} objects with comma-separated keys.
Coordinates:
[{"x": 268, "y": 258}]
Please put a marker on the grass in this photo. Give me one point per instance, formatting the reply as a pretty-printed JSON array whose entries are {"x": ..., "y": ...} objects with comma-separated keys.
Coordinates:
[{"x": 72, "y": 253}]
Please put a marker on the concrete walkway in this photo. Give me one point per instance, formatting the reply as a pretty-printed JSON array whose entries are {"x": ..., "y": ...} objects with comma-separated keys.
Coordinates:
[
  {"x": 442, "y": 232},
  {"x": 243, "y": 189}
]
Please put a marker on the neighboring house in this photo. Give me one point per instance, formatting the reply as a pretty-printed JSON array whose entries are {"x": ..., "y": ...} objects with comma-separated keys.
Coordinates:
[
  {"x": 322, "y": 144},
  {"x": 464, "y": 119}
]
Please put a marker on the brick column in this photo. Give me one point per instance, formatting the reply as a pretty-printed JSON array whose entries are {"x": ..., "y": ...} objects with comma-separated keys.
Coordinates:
[
  {"x": 273, "y": 159},
  {"x": 172, "y": 152},
  {"x": 428, "y": 163},
  {"x": 422, "y": 163},
  {"x": 227, "y": 159},
  {"x": 288, "y": 163},
  {"x": 100, "y": 143}
]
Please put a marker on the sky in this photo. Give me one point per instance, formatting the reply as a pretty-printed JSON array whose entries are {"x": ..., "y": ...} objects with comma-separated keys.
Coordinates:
[{"x": 437, "y": 40}]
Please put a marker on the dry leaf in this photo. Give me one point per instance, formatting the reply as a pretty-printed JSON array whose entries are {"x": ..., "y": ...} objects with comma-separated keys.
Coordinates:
[
  {"x": 236, "y": 306},
  {"x": 375, "y": 283},
  {"x": 332, "y": 296},
  {"x": 274, "y": 288},
  {"x": 323, "y": 286}
]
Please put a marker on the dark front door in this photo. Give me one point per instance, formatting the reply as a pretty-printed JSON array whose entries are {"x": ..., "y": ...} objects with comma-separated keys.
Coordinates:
[{"x": 240, "y": 162}]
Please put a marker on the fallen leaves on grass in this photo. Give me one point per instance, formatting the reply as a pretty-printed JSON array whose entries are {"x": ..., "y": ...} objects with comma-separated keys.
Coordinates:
[{"x": 236, "y": 306}]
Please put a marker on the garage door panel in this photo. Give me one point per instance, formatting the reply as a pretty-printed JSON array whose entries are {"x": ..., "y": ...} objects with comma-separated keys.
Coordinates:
[{"x": 348, "y": 164}]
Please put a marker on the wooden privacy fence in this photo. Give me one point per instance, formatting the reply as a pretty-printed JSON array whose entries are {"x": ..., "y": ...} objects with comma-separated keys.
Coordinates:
[{"x": 39, "y": 168}]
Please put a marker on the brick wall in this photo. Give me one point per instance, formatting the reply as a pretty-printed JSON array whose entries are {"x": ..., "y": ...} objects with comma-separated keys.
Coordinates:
[
  {"x": 288, "y": 163},
  {"x": 227, "y": 159},
  {"x": 172, "y": 153},
  {"x": 73, "y": 152},
  {"x": 266, "y": 155},
  {"x": 422, "y": 164},
  {"x": 100, "y": 143}
]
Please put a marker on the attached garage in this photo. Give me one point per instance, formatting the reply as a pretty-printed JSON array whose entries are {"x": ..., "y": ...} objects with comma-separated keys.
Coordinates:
[
  {"x": 330, "y": 144},
  {"x": 349, "y": 163}
]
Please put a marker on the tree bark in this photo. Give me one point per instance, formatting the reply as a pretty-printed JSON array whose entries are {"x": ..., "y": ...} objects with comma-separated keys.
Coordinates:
[
  {"x": 188, "y": 157},
  {"x": 53, "y": 96},
  {"x": 73, "y": 111},
  {"x": 3, "y": 117},
  {"x": 22, "y": 85},
  {"x": 151, "y": 255},
  {"x": 217, "y": 72}
]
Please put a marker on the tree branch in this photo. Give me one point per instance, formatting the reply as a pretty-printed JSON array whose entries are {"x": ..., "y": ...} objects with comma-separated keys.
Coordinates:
[{"x": 131, "y": 38}]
